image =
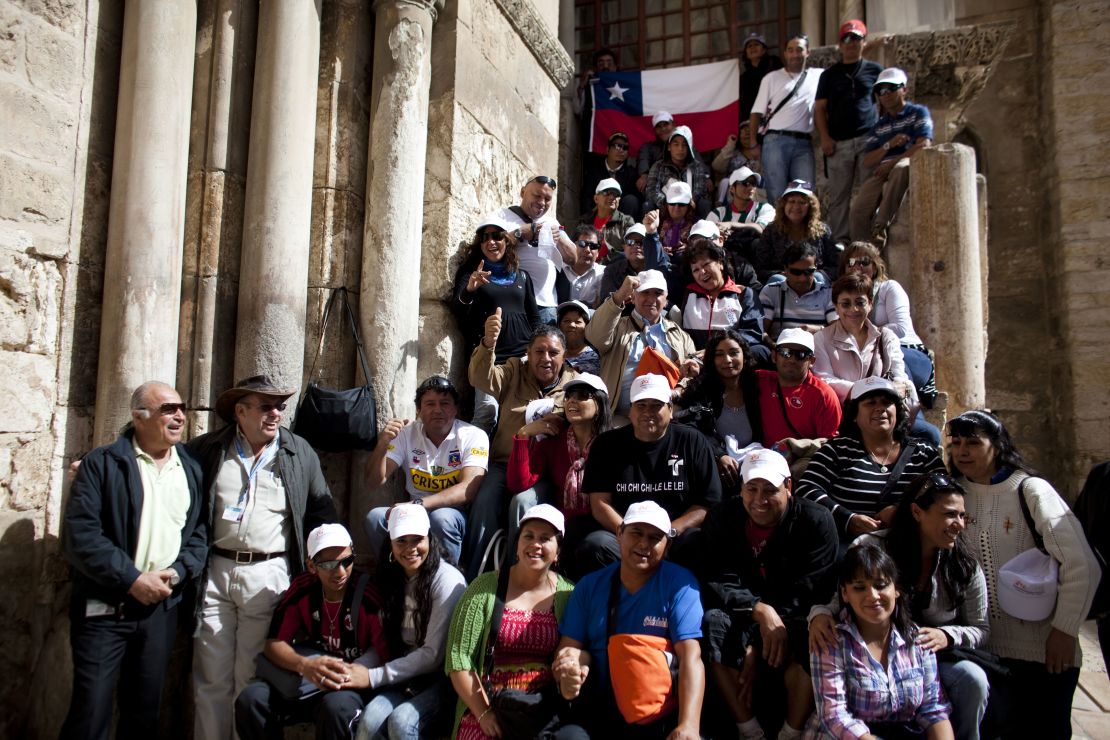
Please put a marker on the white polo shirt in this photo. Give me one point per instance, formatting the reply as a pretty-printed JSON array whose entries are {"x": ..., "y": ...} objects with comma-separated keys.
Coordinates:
[{"x": 430, "y": 469}]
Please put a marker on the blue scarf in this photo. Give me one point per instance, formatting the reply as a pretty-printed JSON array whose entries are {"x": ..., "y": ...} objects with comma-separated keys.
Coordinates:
[{"x": 499, "y": 274}]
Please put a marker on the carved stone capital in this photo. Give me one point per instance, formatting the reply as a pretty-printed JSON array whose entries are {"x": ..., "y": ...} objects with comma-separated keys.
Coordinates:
[
  {"x": 544, "y": 46},
  {"x": 431, "y": 7}
]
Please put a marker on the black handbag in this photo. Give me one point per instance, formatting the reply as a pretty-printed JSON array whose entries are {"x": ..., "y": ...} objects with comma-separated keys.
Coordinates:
[{"x": 337, "y": 420}]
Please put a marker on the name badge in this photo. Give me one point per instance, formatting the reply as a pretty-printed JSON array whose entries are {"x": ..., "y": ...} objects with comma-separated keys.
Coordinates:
[
  {"x": 94, "y": 608},
  {"x": 233, "y": 514}
]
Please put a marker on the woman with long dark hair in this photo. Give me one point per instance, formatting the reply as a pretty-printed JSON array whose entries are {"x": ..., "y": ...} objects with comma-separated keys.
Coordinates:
[
  {"x": 876, "y": 679},
  {"x": 728, "y": 388},
  {"x": 1043, "y": 655},
  {"x": 419, "y": 589},
  {"x": 945, "y": 589},
  {"x": 797, "y": 221}
]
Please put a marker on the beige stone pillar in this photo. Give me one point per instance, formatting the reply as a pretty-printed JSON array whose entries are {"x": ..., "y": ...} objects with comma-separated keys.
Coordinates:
[
  {"x": 146, "y": 216},
  {"x": 390, "y": 288},
  {"x": 946, "y": 268},
  {"x": 273, "y": 285},
  {"x": 813, "y": 21},
  {"x": 850, "y": 9}
]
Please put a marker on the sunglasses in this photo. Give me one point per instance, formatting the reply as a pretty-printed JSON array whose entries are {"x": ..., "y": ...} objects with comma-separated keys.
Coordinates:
[
  {"x": 750, "y": 183},
  {"x": 860, "y": 302},
  {"x": 436, "y": 383},
  {"x": 794, "y": 354},
  {"x": 544, "y": 180},
  {"x": 588, "y": 244},
  {"x": 938, "y": 481},
  {"x": 859, "y": 261},
  {"x": 346, "y": 562},
  {"x": 169, "y": 409},
  {"x": 495, "y": 236},
  {"x": 267, "y": 407},
  {"x": 611, "y": 193},
  {"x": 634, "y": 243},
  {"x": 578, "y": 394},
  {"x": 618, "y": 145},
  {"x": 886, "y": 90},
  {"x": 800, "y": 271}
]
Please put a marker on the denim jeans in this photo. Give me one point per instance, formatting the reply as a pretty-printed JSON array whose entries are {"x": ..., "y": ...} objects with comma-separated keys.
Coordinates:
[
  {"x": 488, "y": 513},
  {"x": 785, "y": 158},
  {"x": 967, "y": 687},
  {"x": 485, "y": 412},
  {"x": 396, "y": 715},
  {"x": 448, "y": 524}
]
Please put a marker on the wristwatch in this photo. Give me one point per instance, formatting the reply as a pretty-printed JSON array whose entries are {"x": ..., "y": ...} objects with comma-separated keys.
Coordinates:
[{"x": 518, "y": 235}]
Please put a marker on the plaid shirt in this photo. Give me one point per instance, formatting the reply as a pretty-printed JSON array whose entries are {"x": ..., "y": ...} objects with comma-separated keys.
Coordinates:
[{"x": 852, "y": 688}]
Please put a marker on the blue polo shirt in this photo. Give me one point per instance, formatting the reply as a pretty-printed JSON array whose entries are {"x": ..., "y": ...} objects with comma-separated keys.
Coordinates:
[
  {"x": 784, "y": 309},
  {"x": 913, "y": 120}
]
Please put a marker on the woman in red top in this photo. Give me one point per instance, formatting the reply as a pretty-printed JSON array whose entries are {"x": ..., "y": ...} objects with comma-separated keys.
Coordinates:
[{"x": 549, "y": 454}]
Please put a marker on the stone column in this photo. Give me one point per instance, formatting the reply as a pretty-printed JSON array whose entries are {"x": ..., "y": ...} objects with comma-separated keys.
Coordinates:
[
  {"x": 146, "y": 217},
  {"x": 813, "y": 21},
  {"x": 273, "y": 285},
  {"x": 390, "y": 288},
  {"x": 850, "y": 9},
  {"x": 946, "y": 267}
]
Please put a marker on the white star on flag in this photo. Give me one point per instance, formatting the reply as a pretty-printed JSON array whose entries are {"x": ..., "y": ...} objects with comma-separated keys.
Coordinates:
[{"x": 616, "y": 91}]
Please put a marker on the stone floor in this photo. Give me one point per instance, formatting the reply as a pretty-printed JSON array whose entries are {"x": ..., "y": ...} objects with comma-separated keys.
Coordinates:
[{"x": 1090, "y": 717}]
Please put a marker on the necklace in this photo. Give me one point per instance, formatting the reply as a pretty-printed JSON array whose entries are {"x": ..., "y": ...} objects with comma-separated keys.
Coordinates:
[
  {"x": 333, "y": 619},
  {"x": 885, "y": 461}
]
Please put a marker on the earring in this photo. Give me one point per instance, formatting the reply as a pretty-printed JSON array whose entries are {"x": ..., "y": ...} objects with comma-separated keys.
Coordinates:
[{"x": 390, "y": 557}]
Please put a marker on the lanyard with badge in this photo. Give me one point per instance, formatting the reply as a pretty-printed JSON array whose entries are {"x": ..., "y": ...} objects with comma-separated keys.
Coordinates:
[{"x": 234, "y": 513}]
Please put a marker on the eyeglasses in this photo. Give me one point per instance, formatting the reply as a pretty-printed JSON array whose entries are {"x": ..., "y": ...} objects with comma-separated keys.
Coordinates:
[
  {"x": 611, "y": 193},
  {"x": 800, "y": 271},
  {"x": 886, "y": 89},
  {"x": 346, "y": 562},
  {"x": 267, "y": 407},
  {"x": 588, "y": 244},
  {"x": 938, "y": 481},
  {"x": 750, "y": 183},
  {"x": 544, "y": 180},
  {"x": 169, "y": 409},
  {"x": 635, "y": 243},
  {"x": 860, "y": 302},
  {"x": 578, "y": 394},
  {"x": 794, "y": 354},
  {"x": 496, "y": 236},
  {"x": 618, "y": 145},
  {"x": 859, "y": 262}
]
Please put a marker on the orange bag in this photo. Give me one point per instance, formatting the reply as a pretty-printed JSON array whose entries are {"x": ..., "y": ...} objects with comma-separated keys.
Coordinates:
[
  {"x": 654, "y": 361},
  {"x": 641, "y": 674}
]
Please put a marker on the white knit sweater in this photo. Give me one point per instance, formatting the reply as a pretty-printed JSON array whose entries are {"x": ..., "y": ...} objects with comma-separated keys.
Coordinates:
[{"x": 996, "y": 532}]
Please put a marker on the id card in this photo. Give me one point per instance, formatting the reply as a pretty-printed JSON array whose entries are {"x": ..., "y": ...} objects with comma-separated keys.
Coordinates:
[
  {"x": 94, "y": 608},
  {"x": 233, "y": 513}
]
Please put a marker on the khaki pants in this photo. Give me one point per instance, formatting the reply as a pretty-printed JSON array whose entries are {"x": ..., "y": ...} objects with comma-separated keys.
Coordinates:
[
  {"x": 845, "y": 168},
  {"x": 877, "y": 202},
  {"x": 239, "y": 601}
]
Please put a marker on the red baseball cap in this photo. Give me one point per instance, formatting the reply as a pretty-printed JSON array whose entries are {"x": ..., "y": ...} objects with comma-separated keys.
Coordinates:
[{"x": 853, "y": 26}]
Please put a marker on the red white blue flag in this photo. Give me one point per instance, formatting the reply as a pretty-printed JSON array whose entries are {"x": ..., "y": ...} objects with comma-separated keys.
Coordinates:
[{"x": 705, "y": 97}]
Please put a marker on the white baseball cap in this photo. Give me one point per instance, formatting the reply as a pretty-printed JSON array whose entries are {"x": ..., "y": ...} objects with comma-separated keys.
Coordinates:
[
  {"x": 546, "y": 513},
  {"x": 742, "y": 174},
  {"x": 891, "y": 76},
  {"x": 872, "y": 384},
  {"x": 798, "y": 186},
  {"x": 678, "y": 192},
  {"x": 798, "y": 337},
  {"x": 636, "y": 229},
  {"x": 494, "y": 219},
  {"x": 608, "y": 183},
  {"x": 708, "y": 229},
  {"x": 766, "y": 465},
  {"x": 648, "y": 512},
  {"x": 1028, "y": 585},
  {"x": 586, "y": 379},
  {"x": 328, "y": 535},
  {"x": 406, "y": 519},
  {"x": 651, "y": 280},
  {"x": 660, "y": 117},
  {"x": 650, "y": 386}
]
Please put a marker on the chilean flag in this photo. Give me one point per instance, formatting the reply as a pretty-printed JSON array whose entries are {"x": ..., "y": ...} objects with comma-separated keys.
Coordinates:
[{"x": 705, "y": 97}]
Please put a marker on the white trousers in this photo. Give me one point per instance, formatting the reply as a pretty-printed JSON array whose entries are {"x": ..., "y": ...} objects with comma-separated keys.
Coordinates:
[{"x": 239, "y": 602}]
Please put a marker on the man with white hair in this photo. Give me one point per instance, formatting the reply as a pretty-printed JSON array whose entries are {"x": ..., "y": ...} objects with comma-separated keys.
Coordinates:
[{"x": 135, "y": 537}]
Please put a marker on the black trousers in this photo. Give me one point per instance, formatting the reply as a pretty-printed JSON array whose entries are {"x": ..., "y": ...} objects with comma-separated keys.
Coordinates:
[
  {"x": 1040, "y": 700},
  {"x": 261, "y": 714},
  {"x": 135, "y": 651}
]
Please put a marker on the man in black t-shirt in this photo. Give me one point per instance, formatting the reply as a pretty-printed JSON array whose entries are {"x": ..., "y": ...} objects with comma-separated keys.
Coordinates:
[
  {"x": 843, "y": 114},
  {"x": 649, "y": 460}
]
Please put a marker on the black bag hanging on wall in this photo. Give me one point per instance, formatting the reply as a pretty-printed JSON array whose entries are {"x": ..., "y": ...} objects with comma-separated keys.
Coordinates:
[{"x": 335, "y": 420}]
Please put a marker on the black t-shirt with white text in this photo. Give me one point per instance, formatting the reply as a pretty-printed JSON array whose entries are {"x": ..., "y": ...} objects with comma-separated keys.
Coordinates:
[{"x": 677, "y": 471}]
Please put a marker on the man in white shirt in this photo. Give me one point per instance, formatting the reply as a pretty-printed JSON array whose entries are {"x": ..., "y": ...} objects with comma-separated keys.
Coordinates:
[
  {"x": 542, "y": 246},
  {"x": 584, "y": 275},
  {"x": 444, "y": 461},
  {"x": 783, "y": 113}
]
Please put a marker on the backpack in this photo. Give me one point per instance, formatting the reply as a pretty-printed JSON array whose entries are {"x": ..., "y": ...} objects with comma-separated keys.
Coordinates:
[{"x": 1093, "y": 511}]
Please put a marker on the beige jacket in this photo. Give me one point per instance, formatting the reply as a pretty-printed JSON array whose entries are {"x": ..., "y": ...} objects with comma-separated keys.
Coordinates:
[
  {"x": 514, "y": 386},
  {"x": 612, "y": 336}
]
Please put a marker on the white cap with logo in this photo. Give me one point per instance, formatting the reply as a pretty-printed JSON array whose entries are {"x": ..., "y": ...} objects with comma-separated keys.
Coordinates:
[
  {"x": 648, "y": 512},
  {"x": 650, "y": 387},
  {"x": 608, "y": 183},
  {"x": 546, "y": 513},
  {"x": 651, "y": 280},
  {"x": 798, "y": 337},
  {"x": 328, "y": 535},
  {"x": 766, "y": 465},
  {"x": 406, "y": 519},
  {"x": 708, "y": 229}
]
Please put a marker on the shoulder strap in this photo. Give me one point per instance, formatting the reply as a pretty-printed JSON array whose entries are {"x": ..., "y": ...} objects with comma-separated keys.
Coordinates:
[
  {"x": 495, "y": 621},
  {"x": 781, "y": 318},
  {"x": 339, "y": 293},
  {"x": 786, "y": 416},
  {"x": 614, "y": 602},
  {"x": 1038, "y": 541},
  {"x": 908, "y": 447},
  {"x": 356, "y": 603},
  {"x": 520, "y": 212},
  {"x": 766, "y": 121}
]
